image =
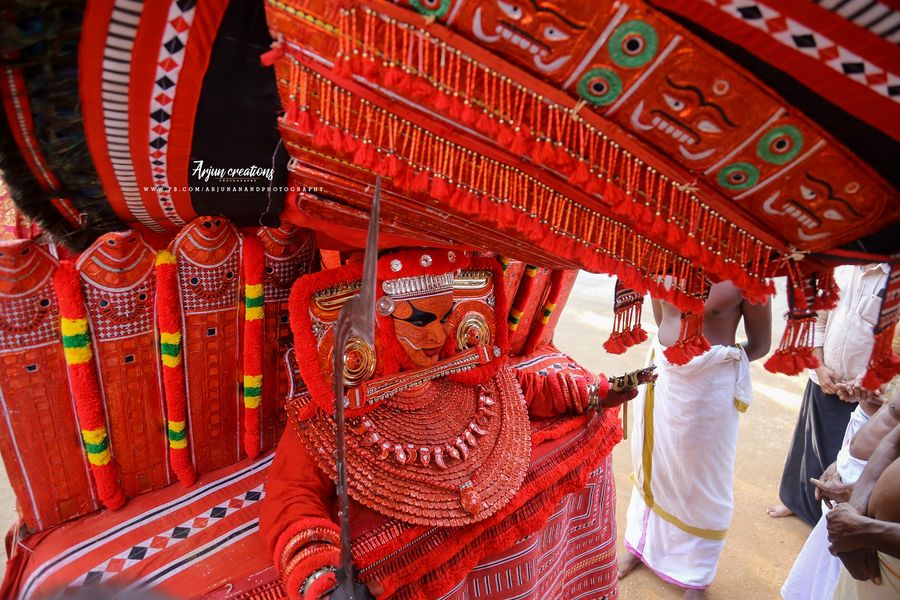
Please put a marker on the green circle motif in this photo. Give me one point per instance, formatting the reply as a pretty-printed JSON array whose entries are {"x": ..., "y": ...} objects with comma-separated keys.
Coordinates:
[
  {"x": 730, "y": 177},
  {"x": 765, "y": 147},
  {"x": 590, "y": 87},
  {"x": 639, "y": 34},
  {"x": 437, "y": 13}
]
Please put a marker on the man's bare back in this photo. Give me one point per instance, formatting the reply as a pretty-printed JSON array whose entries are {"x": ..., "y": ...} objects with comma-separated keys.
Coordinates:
[
  {"x": 723, "y": 312},
  {"x": 883, "y": 504}
]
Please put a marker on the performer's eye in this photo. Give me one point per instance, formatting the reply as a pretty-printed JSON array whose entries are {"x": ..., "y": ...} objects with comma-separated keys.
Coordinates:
[
  {"x": 418, "y": 318},
  {"x": 511, "y": 10}
]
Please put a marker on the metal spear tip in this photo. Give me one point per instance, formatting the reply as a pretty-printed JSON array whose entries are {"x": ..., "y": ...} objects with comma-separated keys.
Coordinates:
[{"x": 362, "y": 307}]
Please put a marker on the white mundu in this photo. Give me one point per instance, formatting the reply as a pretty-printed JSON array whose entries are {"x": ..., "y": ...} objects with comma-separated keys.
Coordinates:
[{"x": 684, "y": 442}]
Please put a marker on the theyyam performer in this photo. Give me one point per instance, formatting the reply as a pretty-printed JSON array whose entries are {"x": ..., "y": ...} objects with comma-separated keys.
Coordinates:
[{"x": 469, "y": 476}]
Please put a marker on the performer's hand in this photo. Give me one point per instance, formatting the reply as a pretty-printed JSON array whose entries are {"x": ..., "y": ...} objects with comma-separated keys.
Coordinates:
[
  {"x": 826, "y": 379},
  {"x": 375, "y": 588},
  {"x": 862, "y": 564},
  {"x": 624, "y": 388},
  {"x": 614, "y": 399},
  {"x": 845, "y": 528}
]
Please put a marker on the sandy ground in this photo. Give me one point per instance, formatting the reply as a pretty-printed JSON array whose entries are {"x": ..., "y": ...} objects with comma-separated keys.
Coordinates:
[{"x": 759, "y": 551}]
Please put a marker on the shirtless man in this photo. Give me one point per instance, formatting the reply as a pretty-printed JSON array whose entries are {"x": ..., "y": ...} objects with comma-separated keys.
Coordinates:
[
  {"x": 680, "y": 509},
  {"x": 865, "y": 532}
]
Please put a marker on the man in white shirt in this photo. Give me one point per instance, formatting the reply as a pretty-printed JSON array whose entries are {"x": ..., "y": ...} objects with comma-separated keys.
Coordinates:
[{"x": 843, "y": 344}]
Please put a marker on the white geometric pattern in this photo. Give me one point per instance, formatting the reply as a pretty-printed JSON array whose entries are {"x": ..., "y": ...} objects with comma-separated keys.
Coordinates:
[
  {"x": 801, "y": 38},
  {"x": 146, "y": 548},
  {"x": 171, "y": 58}
]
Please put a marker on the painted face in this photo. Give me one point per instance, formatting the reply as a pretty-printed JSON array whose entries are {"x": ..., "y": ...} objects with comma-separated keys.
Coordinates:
[
  {"x": 419, "y": 327},
  {"x": 541, "y": 35},
  {"x": 820, "y": 203}
]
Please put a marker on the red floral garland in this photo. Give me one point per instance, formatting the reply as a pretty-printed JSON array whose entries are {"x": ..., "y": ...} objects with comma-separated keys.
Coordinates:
[
  {"x": 254, "y": 329},
  {"x": 76, "y": 339}
]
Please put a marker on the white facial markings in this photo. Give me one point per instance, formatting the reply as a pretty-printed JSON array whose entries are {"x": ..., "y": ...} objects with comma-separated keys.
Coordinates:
[
  {"x": 478, "y": 30},
  {"x": 501, "y": 32},
  {"x": 707, "y": 126}
]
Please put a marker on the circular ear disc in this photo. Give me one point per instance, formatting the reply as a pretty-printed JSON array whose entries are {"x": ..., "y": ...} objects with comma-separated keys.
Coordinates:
[
  {"x": 472, "y": 331},
  {"x": 359, "y": 361}
]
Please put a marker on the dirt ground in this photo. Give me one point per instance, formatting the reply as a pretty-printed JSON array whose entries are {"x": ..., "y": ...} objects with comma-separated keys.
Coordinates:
[{"x": 759, "y": 551}]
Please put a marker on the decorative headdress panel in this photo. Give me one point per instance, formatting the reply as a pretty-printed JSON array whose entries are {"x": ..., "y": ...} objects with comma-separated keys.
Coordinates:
[
  {"x": 46, "y": 465},
  {"x": 119, "y": 282},
  {"x": 484, "y": 140}
]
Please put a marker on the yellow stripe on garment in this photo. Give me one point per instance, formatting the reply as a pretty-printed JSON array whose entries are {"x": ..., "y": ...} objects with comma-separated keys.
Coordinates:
[
  {"x": 644, "y": 487},
  {"x": 647, "y": 450},
  {"x": 707, "y": 534},
  {"x": 171, "y": 361}
]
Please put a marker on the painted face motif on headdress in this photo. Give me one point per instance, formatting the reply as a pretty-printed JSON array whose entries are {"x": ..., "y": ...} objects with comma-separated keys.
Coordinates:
[{"x": 539, "y": 34}]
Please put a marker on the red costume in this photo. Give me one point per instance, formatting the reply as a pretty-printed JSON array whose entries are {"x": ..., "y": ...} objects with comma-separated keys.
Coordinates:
[{"x": 455, "y": 458}]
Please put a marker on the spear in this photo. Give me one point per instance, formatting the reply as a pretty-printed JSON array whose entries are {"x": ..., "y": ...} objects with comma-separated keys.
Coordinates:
[{"x": 357, "y": 318}]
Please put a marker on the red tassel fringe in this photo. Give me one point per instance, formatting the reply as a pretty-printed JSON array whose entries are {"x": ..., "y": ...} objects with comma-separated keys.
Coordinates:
[
  {"x": 884, "y": 365},
  {"x": 691, "y": 341}
]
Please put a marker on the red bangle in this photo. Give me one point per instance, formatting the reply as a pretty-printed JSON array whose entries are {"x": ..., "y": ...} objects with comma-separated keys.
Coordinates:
[
  {"x": 309, "y": 560},
  {"x": 301, "y": 533},
  {"x": 322, "y": 585},
  {"x": 581, "y": 389}
]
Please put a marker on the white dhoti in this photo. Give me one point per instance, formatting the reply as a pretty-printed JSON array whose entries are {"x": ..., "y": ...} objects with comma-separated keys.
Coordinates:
[
  {"x": 850, "y": 589},
  {"x": 684, "y": 441},
  {"x": 815, "y": 571}
]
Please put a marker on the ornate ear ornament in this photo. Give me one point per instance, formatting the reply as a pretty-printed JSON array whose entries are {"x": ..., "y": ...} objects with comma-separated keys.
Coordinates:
[
  {"x": 472, "y": 331},
  {"x": 385, "y": 306},
  {"x": 359, "y": 361}
]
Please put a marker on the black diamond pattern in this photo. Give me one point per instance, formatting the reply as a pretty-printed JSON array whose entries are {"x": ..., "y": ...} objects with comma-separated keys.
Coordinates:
[
  {"x": 853, "y": 68},
  {"x": 156, "y": 162},
  {"x": 137, "y": 553},
  {"x": 893, "y": 90},
  {"x": 181, "y": 532},
  {"x": 93, "y": 577},
  {"x": 253, "y": 495},
  {"x": 218, "y": 512},
  {"x": 159, "y": 115},
  {"x": 174, "y": 46},
  {"x": 751, "y": 13},
  {"x": 164, "y": 82},
  {"x": 158, "y": 143},
  {"x": 804, "y": 41},
  {"x": 186, "y": 5}
]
